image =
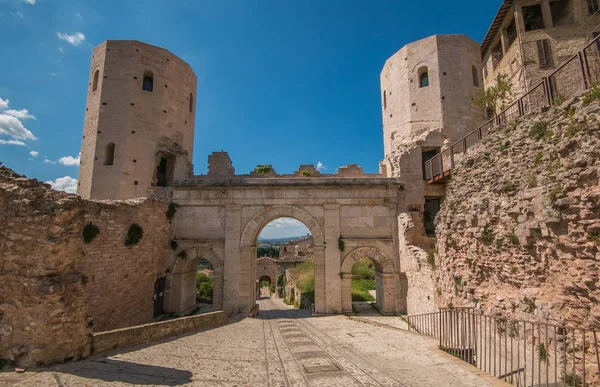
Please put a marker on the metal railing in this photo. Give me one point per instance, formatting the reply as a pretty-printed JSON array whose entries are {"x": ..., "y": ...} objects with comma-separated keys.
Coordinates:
[
  {"x": 572, "y": 77},
  {"x": 519, "y": 352}
]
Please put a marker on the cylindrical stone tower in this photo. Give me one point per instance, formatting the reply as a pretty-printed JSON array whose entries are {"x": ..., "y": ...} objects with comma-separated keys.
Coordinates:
[
  {"x": 139, "y": 121},
  {"x": 427, "y": 87}
]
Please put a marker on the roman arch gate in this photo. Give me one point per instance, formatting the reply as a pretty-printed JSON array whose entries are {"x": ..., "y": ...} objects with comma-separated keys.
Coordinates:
[{"x": 220, "y": 215}]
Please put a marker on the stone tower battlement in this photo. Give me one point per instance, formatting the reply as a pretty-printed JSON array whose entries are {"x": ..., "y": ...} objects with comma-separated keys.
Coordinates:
[
  {"x": 426, "y": 86},
  {"x": 139, "y": 121}
]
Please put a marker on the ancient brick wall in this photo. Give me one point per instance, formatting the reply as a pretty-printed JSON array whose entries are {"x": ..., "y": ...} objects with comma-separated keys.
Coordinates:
[
  {"x": 519, "y": 230},
  {"x": 54, "y": 288}
]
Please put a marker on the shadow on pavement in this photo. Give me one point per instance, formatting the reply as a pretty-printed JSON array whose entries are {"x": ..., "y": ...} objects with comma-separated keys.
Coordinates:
[{"x": 110, "y": 370}]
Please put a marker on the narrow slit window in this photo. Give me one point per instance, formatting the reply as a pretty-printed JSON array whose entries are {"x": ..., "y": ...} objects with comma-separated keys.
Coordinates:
[
  {"x": 191, "y": 102},
  {"x": 423, "y": 77},
  {"x": 384, "y": 101},
  {"x": 475, "y": 73},
  {"x": 95, "y": 81},
  {"x": 148, "y": 83},
  {"x": 109, "y": 153}
]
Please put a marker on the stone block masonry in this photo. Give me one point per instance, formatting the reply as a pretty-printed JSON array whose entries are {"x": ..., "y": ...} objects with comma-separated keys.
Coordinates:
[
  {"x": 147, "y": 333},
  {"x": 54, "y": 288}
]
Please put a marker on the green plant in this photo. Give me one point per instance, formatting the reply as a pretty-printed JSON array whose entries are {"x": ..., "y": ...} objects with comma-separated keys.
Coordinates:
[
  {"x": 513, "y": 269},
  {"x": 204, "y": 288},
  {"x": 538, "y": 159},
  {"x": 573, "y": 380},
  {"x": 182, "y": 254},
  {"x": 457, "y": 281},
  {"x": 559, "y": 99},
  {"x": 531, "y": 181},
  {"x": 539, "y": 130},
  {"x": 340, "y": 243},
  {"x": 174, "y": 244},
  {"x": 513, "y": 238},
  {"x": 305, "y": 172},
  {"x": 90, "y": 232},
  {"x": 593, "y": 94},
  {"x": 450, "y": 306},
  {"x": 555, "y": 192},
  {"x": 508, "y": 188},
  {"x": 171, "y": 210},
  {"x": 529, "y": 304},
  {"x": 431, "y": 258},
  {"x": 134, "y": 234},
  {"x": 542, "y": 352},
  {"x": 469, "y": 261},
  {"x": 263, "y": 169},
  {"x": 594, "y": 236},
  {"x": 363, "y": 269},
  {"x": 487, "y": 236},
  {"x": 493, "y": 97}
]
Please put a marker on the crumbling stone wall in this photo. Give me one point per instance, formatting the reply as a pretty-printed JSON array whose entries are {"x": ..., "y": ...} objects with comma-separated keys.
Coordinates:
[
  {"x": 519, "y": 230},
  {"x": 54, "y": 288}
]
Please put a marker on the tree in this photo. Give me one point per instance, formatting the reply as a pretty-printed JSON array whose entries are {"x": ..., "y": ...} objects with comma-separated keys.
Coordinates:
[
  {"x": 493, "y": 97},
  {"x": 204, "y": 288}
]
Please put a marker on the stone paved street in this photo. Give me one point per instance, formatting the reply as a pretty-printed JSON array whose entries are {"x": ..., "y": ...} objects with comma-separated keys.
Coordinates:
[{"x": 285, "y": 347}]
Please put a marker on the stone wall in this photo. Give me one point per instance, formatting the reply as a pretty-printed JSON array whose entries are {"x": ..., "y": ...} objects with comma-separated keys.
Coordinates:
[
  {"x": 147, "y": 333},
  {"x": 519, "y": 230},
  {"x": 54, "y": 288}
]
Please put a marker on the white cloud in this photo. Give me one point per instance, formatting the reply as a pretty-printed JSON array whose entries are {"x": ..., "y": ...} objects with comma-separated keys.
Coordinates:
[
  {"x": 48, "y": 161},
  {"x": 284, "y": 227},
  {"x": 66, "y": 184},
  {"x": 34, "y": 154},
  {"x": 70, "y": 160},
  {"x": 320, "y": 166},
  {"x": 12, "y": 142},
  {"x": 53, "y": 74},
  {"x": 75, "y": 39},
  {"x": 32, "y": 2},
  {"x": 13, "y": 127},
  {"x": 4, "y": 104},
  {"x": 22, "y": 114}
]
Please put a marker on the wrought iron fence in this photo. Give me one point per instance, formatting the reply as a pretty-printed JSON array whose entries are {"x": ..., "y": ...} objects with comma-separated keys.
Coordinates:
[
  {"x": 574, "y": 76},
  {"x": 519, "y": 352}
]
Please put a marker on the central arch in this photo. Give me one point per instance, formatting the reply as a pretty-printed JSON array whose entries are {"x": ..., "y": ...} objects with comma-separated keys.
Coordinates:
[
  {"x": 385, "y": 279},
  {"x": 249, "y": 238}
]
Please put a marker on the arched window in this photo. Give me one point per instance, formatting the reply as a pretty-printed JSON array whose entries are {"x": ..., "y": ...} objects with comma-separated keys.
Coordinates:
[
  {"x": 148, "y": 81},
  {"x": 384, "y": 101},
  {"x": 475, "y": 73},
  {"x": 95, "y": 81},
  {"x": 423, "y": 77},
  {"x": 109, "y": 153},
  {"x": 191, "y": 102}
]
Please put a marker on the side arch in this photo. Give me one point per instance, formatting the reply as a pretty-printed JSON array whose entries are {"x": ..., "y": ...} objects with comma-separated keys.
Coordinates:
[
  {"x": 181, "y": 280},
  {"x": 386, "y": 279}
]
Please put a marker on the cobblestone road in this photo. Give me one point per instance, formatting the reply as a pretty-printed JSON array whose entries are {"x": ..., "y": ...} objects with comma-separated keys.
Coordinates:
[{"x": 285, "y": 347}]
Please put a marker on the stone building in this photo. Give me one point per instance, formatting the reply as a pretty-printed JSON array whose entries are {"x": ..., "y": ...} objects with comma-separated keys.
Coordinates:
[
  {"x": 529, "y": 39},
  {"x": 139, "y": 122}
]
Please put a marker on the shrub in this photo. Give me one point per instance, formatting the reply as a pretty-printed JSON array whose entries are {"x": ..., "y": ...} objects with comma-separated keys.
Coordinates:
[
  {"x": 303, "y": 275},
  {"x": 508, "y": 187},
  {"x": 539, "y": 130},
  {"x": 363, "y": 269},
  {"x": 182, "y": 254},
  {"x": 431, "y": 258},
  {"x": 90, "y": 232},
  {"x": 513, "y": 238},
  {"x": 594, "y": 236},
  {"x": 340, "y": 243},
  {"x": 171, "y": 210},
  {"x": 174, "y": 244},
  {"x": 134, "y": 235},
  {"x": 559, "y": 99},
  {"x": 530, "y": 303},
  {"x": 542, "y": 352},
  {"x": 263, "y": 169},
  {"x": 593, "y": 94},
  {"x": 487, "y": 236},
  {"x": 204, "y": 288},
  {"x": 305, "y": 172},
  {"x": 554, "y": 193},
  {"x": 538, "y": 159}
]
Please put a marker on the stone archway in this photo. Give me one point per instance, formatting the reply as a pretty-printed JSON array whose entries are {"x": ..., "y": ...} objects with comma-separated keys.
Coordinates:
[
  {"x": 385, "y": 279},
  {"x": 182, "y": 280},
  {"x": 248, "y": 239}
]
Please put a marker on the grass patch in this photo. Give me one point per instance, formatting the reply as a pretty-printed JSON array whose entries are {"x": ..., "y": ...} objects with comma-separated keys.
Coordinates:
[
  {"x": 513, "y": 238},
  {"x": 360, "y": 289},
  {"x": 539, "y": 130},
  {"x": 555, "y": 192},
  {"x": 508, "y": 188},
  {"x": 487, "y": 236},
  {"x": 431, "y": 258},
  {"x": 538, "y": 159},
  {"x": 594, "y": 236},
  {"x": 304, "y": 276}
]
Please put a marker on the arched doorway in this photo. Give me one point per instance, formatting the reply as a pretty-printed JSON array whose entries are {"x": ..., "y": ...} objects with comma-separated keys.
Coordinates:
[
  {"x": 264, "y": 285},
  {"x": 249, "y": 243},
  {"x": 182, "y": 283},
  {"x": 385, "y": 279}
]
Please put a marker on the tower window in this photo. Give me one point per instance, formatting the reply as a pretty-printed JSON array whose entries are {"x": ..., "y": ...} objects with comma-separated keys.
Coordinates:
[
  {"x": 384, "y": 101},
  {"x": 592, "y": 6},
  {"x": 148, "y": 81},
  {"x": 475, "y": 73},
  {"x": 95, "y": 81},
  {"x": 109, "y": 153},
  {"x": 191, "y": 102},
  {"x": 423, "y": 77},
  {"x": 164, "y": 171}
]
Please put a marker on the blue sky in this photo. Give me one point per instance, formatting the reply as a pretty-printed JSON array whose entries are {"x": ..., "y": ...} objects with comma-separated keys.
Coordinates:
[{"x": 280, "y": 82}]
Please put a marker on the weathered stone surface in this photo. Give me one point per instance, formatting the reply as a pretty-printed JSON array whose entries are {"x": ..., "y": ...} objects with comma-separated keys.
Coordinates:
[{"x": 538, "y": 260}]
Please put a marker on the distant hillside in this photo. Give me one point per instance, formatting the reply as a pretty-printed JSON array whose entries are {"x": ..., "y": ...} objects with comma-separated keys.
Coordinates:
[{"x": 280, "y": 240}]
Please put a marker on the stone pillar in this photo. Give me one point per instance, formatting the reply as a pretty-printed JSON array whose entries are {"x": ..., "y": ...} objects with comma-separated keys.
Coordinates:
[
  {"x": 333, "y": 282},
  {"x": 519, "y": 21},
  {"x": 248, "y": 286},
  {"x": 547, "y": 14},
  {"x": 504, "y": 40},
  {"x": 231, "y": 260}
]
